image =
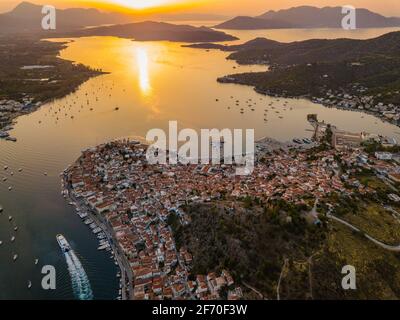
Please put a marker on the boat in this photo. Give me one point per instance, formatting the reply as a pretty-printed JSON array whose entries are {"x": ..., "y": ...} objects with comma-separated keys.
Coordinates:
[
  {"x": 36, "y": 261},
  {"x": 12, "y": 239},
  {"x": 82, "y": 215},
  {"x": 97, "y": 230},
  {"x": 63, "y": 243},
  {"x": 9, "y": 218},
  {"x": 1, "y": 242},
  {"x": 15, "y": 257},
  {"x": 104, "y": 246},
  {"x": 88, "y": 221},
  {"x": 15, "y": 228},
  {"x": 29, "y": 284},
  {"x": 1, "y": 209}
]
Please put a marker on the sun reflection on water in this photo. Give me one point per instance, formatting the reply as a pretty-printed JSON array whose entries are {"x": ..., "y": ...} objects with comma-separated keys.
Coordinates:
[{"x": 143, "y": 67}]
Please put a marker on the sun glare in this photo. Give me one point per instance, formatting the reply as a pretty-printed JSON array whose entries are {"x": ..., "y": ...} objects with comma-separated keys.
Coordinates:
[
  {"x": 142, "y": 61},
  {"x": 140, "y": 4}
]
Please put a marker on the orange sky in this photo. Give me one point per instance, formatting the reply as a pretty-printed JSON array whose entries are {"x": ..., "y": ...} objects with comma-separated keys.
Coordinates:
[{"x": 221, "y": 7}]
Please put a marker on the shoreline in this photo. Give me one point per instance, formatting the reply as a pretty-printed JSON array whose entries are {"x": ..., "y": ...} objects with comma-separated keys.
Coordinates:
[
  {"x": 125, "y": 290},
  {"x": 377, "y": 115}
]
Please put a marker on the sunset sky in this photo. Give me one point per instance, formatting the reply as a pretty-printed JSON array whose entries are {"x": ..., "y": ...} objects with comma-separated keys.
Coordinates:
[{"x": 220, "y": 7}]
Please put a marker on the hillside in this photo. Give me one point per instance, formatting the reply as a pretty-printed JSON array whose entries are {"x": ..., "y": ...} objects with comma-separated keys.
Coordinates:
[
  {"x": 308, "y": 17},
  {"x": 250, "y": 23},
  {"x": 26, "y": 18},
  {"x": 154, "y": 31}
]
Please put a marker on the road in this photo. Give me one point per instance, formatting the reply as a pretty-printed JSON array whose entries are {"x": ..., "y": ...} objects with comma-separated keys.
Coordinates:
[
  {"x": 377, "y": 242},
  {"x": 280, "y": 279}
]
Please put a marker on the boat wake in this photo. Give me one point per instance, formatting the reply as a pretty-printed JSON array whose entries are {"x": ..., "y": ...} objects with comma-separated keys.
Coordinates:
[{"x": 80, "y": 281}]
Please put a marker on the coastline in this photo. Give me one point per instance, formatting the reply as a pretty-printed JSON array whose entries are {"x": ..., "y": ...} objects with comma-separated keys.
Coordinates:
[
  {"x": 54, "y": 78},
  {"x": 119, "y": 258},
  {"x": 230, "y": 79}
]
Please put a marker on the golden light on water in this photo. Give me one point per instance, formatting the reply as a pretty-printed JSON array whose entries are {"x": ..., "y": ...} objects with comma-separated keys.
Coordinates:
[{"x": 142, "y": 61}]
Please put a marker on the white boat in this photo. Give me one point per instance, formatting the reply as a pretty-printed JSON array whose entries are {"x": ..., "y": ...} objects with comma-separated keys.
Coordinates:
[
  {"x": 12, "y": 238},
  {"x": 15, "y": 257},
  {"x": 1, "y": 209},
  {"x": 88, "y": 221},
  {"x": 9, "y": 218},
  {"x": 36, "y": 261},
  {"x": 29, "y": 284},
  {"x": 82, "y": 215},
  {"x": 15, "y": 228},
  {"x": 1, "y": 242},
  {"x": 104, "y": 246},
  {"x": 63, "y": 243}
]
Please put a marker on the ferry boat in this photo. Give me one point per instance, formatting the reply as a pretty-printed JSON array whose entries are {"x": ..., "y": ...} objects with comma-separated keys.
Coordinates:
[{"x": 63, "y": 243}]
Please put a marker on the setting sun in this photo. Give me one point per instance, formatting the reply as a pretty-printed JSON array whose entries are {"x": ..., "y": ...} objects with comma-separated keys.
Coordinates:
[{"x": 140, "y": 4}]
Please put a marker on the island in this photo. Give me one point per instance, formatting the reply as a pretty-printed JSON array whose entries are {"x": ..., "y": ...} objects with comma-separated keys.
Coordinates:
[{"x": 283, "y": 232}]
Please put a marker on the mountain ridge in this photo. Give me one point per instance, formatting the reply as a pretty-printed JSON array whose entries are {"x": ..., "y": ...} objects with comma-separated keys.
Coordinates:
[{"x": 308, "y": 17}]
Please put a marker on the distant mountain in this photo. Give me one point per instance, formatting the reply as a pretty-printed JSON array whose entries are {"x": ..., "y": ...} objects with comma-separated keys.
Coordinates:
[
  {"x": 26, "y": 18},
  {"x": 315, "y": 50},
  {"x": 309, "y": 17},
  {"x": 154, "y": 31},
  {"x": 250, "y": 23}
]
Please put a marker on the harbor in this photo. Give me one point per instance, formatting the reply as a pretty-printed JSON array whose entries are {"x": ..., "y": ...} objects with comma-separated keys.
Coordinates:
[{"x": 106, "y": 240}]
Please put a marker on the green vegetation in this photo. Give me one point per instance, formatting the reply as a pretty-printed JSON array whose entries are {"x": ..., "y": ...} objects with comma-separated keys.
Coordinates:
[
  {"x": 372, "y": 146},
  {"x": 43, "y": 84},
  {"x": 312, "y": 67},
  {"x": 253, "y": 241}
]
